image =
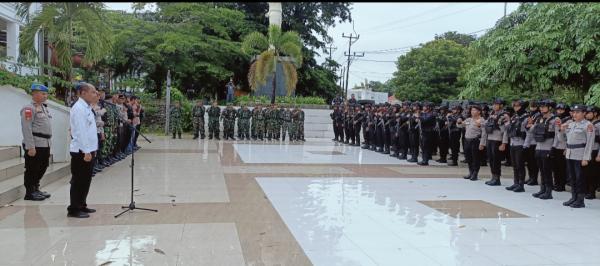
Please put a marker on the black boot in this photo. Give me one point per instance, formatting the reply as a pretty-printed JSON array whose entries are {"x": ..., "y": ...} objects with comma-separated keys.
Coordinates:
[
  {"x": 495, "y": 181},
  {"x": 547, "y": 194},
  {"x": 173, "y": 135},
  {"x": 423, "y": 163},
  {"x": 520, "y": 187},
  {"x": 590, "y": 196},
  {"x": 539, "y": 193},
  {"x": 532, "y": 182},
  {"x": 179, "y": 134},
  {"x": 474, "y": 176},
  {"x": 579, "y": 201},
  {"x": 572, "y": 199},
  {"x": 442, "y": 160},
  {"x": 402, "y": 157},
  {"x": 34, "y": 195},
  {"x": 469, "y": 175},
  {"x": 195, "y": 136},
  {"x": 210, "y": 136},
  {"x": 514, "y": 185}
]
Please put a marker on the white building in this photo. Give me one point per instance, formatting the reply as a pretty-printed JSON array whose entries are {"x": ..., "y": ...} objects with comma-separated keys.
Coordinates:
[
  {"x": 10, "y": 28},
  {"x": 366, "y": 94}
]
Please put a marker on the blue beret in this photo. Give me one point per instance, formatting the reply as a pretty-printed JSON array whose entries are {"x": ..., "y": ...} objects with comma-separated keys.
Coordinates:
[{"x": 39, "y": 87}]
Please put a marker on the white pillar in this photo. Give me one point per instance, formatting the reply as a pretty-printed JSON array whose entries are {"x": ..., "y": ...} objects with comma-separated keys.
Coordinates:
[
  {"x": 12, "y": 41},
  {"x": 275, "y": 13}
]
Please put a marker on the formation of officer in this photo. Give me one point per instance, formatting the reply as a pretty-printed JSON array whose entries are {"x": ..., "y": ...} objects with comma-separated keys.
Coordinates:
[{"x": 539, "y": 139}]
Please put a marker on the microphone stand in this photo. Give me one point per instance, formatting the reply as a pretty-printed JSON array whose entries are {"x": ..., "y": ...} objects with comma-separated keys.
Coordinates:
[{"x": 132, "y": 203}]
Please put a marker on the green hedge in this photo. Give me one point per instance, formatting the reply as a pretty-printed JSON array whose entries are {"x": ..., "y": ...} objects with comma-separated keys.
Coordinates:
[{"x": 280, "y": 100}]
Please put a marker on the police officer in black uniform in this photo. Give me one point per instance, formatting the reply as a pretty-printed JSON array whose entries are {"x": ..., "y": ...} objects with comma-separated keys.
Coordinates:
[
  {"x": 454, "y": 133},
  {"x": 443, "y": 134},
  {"x": 357, "y": 124},
  {"x": 516, "y": 133},
  {"x": 403, "y": 141},
  {"x": 413, "y": 133},
  {"x": 426, "y": 120}
]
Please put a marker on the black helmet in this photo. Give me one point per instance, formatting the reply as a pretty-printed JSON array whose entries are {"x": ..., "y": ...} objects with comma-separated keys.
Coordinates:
[
  {"x": 499, "y": 101},
  {"x": 592, "y": 109},
  {"x": 416, "y": 104},
  {"x": 547, "y": 102},
  {"x": 562, "y": 106}
]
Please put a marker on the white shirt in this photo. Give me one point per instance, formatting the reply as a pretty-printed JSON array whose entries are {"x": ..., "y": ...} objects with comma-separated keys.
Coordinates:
[{"x": 83, "y": 128}]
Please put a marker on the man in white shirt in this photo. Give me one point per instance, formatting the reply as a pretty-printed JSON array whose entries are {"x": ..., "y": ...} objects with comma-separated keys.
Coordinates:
[{"x": 84, "y": 143}]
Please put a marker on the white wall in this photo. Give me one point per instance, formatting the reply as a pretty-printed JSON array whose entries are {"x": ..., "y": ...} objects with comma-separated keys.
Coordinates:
[
  {"x": 11, "y": 102},
  {"x": 378, "y": 97}
]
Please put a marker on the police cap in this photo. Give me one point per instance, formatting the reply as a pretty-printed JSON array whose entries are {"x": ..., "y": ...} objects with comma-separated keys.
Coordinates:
[{"x": 39, "y": 87}]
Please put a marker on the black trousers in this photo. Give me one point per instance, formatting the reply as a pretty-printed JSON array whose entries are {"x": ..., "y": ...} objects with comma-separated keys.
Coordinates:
[
  {"x": 335, "y": 130},
  {"x": 365, "y": 134},
  {"x": 590, "y": 174},
  {"x": 455, "y": 144},
  {"x": 495, "y": 156},
  {"x": 559, "y": 167},
  {"x": 379, "y": 136},
  {"x": 575, "y": 173},
  {"x": 386, "y": 138},
  {"x": 444, "y": 143},
  {"x": 518, "y": 164},
  {"x": 413, "y": 139},
  {"x": 35, "y": 168},
  {"x": 340, "y": 129},
  {"x": 532, "y": 167},
  {"x": 544, "y": 163},
  {"x": 428, "y": 142},
  {"x": 81, "y": 178},
  {"x": 356, "y": 134},
  {"x": 473, "y": 155},
  {"x": 403, "y": 141},
  {"x": 121, "y": 140}
]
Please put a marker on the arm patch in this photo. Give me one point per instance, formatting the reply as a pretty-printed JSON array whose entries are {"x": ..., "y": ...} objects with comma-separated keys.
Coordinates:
[{"x": 28, "y": 112}]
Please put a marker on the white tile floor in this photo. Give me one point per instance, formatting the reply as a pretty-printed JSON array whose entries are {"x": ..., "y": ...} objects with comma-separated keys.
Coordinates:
[
  {"x": 378, "y": 221},
  {"x": 301, "y": 154}
]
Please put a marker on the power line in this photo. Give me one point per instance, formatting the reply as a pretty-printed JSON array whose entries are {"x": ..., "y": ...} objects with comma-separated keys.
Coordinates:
[
  {"x": 379, "y": 61},
  {"x": 429, "y": 20},
  {"x": 350, "y": 57},
  {"x": 408, "y": 18}
]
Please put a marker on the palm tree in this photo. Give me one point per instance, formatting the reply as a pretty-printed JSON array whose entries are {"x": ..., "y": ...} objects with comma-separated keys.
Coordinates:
[
  {"x": 277, "y": 48},
  {"x": 72, "y": 29}
]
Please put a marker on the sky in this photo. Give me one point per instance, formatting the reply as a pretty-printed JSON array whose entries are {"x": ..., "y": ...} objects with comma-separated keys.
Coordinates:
[{"x": 389, "y": 26}]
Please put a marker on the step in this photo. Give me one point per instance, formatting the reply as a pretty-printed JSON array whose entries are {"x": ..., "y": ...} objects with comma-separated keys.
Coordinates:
[
  {"x": 7, "y": 153},
  {"x": 12, "y": 189},
  {"x": 11, "y": 167}
]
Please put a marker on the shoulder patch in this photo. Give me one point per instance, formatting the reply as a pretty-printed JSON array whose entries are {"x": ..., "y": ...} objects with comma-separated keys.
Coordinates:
[
  {"x": 28, "y": 113},
  {"x": 590, "y": 127}
]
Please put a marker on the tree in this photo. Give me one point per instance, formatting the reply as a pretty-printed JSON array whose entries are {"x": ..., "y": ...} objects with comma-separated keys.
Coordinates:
[
  {"x": 545, "y": 49},
  {"x": 460, "y": 38},
  {"x": 429, "y": 72},
  {"x": 70, "y": 28},
  {"x": 311, "y": 20},
  {"x": 273, "y": 47}
]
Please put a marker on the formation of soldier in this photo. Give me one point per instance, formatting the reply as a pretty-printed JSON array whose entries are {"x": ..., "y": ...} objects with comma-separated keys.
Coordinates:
[
  {"x": 260, "y": 123},
  {"x": 538, "y": 139},
  {"x": 118, "y": 119}
]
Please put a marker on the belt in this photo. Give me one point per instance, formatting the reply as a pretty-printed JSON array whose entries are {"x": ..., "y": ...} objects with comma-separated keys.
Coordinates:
[
  {"x": 575, "y": 146},
  {"x": 41, "y": 135}
]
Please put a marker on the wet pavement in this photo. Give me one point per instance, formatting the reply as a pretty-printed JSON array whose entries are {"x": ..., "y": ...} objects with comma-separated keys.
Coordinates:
[{"x": 312, "y": 203}]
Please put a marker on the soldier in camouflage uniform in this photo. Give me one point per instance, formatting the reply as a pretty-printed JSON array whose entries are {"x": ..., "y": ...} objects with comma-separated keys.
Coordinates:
[
  {"x": 268, "y": 128},
  {"x": 255, "y": 111},
  {"x": 258, "y": 122},
  {"x": 300, "y": 124},
  {"x": 286, "y": 118},
  {"x": 214, "y": 112},
  {"x": 244, "y": 122},
  {"x": 279, "y": 127},
  {"x": 198, "y": 120},
  {"x": 175, "y": 119},
  {"x": 110, "y": 131},
  {"x": 228, "y": 116}
]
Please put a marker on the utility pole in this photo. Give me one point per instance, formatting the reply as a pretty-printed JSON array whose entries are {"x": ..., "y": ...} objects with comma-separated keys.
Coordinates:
[
  {"x": 505, "y": 3},
  {"x": 342, "y": 79},
  {"x": 168, "y": 105},
  {"x": 349, "y": 55}
]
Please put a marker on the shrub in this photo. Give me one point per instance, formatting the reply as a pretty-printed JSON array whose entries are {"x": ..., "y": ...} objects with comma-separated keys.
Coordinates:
[{"x": 280, "y": 100}]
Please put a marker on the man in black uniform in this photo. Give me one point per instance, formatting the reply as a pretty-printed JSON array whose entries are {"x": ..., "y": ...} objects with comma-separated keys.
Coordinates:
[
  {"x": 413, "y": 133},
  {"x": 356, "y": 124},
  {"x": 387, "y": 118},
  {"x": 426, "y": 120},
  {"x": 443, "y": 134},
  {"x": 403, "y": 130},
  {"x": 335, "y": 118},
  {"x": 394, "y": 140},
  {"x": 454, "y": 133},
  {"x": 365, "y": 126},
  {"x": 379, "y": 129}
]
